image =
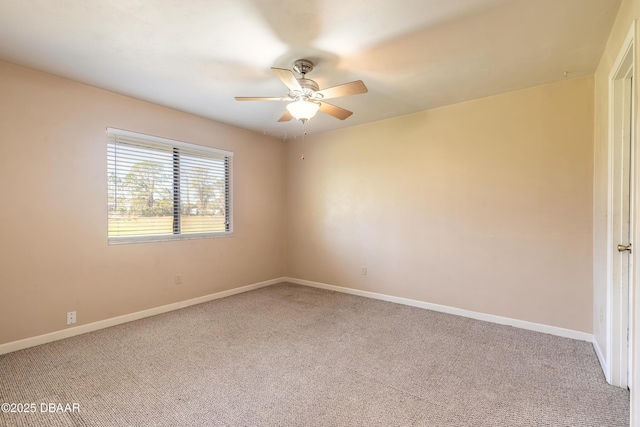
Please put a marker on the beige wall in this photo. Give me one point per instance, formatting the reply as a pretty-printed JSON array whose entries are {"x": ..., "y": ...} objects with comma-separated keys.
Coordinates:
[
  {"x": 485, "y": 206},
  {"x": 54, "y": 255},
  {"x": 629, "y": 10}
]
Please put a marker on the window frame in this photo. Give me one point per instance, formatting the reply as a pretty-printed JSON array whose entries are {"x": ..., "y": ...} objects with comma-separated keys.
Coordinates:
[{"x": 174, "y": 146}]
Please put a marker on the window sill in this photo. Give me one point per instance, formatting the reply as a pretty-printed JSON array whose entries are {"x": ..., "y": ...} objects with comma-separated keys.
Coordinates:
[{"x": 167, "y": 238}]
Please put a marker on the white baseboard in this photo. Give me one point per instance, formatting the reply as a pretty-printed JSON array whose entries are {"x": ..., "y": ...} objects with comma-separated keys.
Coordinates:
[
  {"x": 523, "y": 324},
  {"x": 90, "y": 327},
  {"x": 82, "y": 329},
  {"x": 602, "y": 360}
]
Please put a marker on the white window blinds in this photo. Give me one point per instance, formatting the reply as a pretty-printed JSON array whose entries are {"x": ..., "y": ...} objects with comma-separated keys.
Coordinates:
[{"x": 160, "y": 189}]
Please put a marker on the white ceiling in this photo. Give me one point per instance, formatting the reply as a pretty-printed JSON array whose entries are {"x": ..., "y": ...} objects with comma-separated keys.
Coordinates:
[{"x": 413, "y": 55}]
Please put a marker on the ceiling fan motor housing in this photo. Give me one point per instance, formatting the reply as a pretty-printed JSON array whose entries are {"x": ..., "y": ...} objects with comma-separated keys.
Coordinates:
[{"x": 308, "y": 85}]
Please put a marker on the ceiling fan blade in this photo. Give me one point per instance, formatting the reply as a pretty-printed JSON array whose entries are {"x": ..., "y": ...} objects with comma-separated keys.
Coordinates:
[
  {"x": 285, "y": 117},
  {"x": 332, "y": 110},
  {"x": 288, "y": 78},
  {"x": 353, "y": 88},
  {"x": 250, "y": 98}
]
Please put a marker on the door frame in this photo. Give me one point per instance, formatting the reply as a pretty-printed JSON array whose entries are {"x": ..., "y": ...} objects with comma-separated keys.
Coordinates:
[{"x": 620, "y": 311}]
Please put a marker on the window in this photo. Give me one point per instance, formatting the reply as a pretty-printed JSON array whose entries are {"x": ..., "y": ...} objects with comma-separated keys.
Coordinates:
[{"x": 159, "y": 189}]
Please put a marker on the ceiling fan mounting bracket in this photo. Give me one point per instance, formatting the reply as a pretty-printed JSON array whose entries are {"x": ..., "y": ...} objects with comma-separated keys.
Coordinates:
[{"x": 303, "y": 66}]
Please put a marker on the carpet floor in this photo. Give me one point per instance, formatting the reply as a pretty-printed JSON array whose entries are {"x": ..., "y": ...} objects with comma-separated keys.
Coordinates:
[{"x": 290, "y": 355}]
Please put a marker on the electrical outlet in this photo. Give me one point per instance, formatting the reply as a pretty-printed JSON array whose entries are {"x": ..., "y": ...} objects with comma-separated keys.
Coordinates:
[
  {"x": 363, "y": 270},
  {"x": 178, "y": 279},
  {"x": 71, "y": 318}
]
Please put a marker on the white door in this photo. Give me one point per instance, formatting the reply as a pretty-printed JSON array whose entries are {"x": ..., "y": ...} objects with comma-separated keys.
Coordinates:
[
  {"x": 626, "y": 236},
  {"x": 622, "y": 224}
]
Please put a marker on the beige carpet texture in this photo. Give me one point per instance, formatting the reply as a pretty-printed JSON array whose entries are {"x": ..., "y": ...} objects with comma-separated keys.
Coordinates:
[{"x": 290, "y": 355}]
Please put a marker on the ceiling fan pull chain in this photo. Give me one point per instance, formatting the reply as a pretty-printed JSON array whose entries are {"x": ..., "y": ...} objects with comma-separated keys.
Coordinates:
[{"x": 304, "y": 135}]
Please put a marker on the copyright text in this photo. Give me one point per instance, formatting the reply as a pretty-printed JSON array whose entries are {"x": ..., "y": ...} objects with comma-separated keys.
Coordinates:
[{"x": 31, "y": 407}]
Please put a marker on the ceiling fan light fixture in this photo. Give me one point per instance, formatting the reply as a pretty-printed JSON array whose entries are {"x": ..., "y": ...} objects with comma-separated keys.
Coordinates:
[{"x": 303, "y": 110}]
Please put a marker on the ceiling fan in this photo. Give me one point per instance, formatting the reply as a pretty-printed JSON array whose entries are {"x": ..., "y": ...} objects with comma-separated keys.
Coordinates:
[{"x": 306, "y": 98}]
